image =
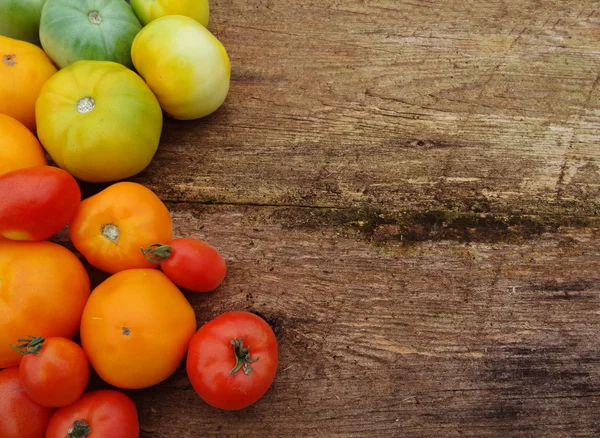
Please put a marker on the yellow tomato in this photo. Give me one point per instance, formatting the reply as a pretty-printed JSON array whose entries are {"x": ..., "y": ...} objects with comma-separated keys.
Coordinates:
[
  {"x": 184, "y": 64},
  {"x": 149, "y": 10},
  {"x": 24, "y": 68},
  {"x": 99, "y": 121}
]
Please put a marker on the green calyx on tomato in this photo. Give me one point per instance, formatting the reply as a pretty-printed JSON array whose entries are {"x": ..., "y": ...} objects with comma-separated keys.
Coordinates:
[
  {"x": 80, "y": 429},
  {"x": 29, "y": 345},
  {"x": 157, "y": 252},
  {"x": 242, "y": 357}
]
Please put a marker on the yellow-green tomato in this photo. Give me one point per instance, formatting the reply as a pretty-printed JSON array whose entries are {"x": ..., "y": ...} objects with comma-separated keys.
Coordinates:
[
  {"x": 99, "y": 121},
  {"x": 149, "y": 10},
  {"x": 185, "y": 66}
]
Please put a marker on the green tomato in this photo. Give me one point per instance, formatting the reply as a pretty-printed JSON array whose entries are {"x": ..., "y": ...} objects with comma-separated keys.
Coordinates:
[
  {"x": 20, "y": 19},
  {"x": 149, "y": 10},
  {"x": 100, "y": 30}
]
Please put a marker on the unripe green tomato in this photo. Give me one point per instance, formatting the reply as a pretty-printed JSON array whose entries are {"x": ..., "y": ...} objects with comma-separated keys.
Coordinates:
[
  {"x": 185, "y": 66},
  {"x": 99, "y": 30},
  {"x": 149, "y": 10},
  {"x": 20, "y": 19}
]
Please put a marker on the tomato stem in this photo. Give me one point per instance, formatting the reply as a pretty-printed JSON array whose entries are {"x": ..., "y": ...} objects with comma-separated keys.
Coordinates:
[
  {"x": 29, "y": 345},
  {"x": 242, "y": 357},
  {"x": 80, "y": 429},
  {"x": 157, "y": 252}
]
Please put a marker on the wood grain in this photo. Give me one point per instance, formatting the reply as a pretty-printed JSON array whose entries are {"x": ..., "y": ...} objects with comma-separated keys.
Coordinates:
[
  {"x": 408, "y": 192},
  {"x": 412, "y": 105},
  {"x": 382, "y": 337}
]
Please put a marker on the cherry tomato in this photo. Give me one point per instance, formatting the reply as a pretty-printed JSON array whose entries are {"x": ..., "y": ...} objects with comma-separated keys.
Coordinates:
[
  {"x": 189, "y": 263},
  {"x": 232, "y": 360},
  {"x": 36, "y": 202},
  {"x": 110, "y": 227},
  {"x": 54, "y": 371},
  {"x": 20, "y": 416},
  {"x": 98, "y": 414}
]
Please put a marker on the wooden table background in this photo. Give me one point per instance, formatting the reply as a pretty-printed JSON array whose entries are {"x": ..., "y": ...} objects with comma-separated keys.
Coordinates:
[{"x": 408, "y": 191}]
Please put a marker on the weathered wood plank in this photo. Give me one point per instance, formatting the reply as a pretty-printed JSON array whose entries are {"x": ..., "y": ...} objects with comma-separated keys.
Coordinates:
[
  {"x": 409, "y": 105},
  {"x": 387, "y": 337}
]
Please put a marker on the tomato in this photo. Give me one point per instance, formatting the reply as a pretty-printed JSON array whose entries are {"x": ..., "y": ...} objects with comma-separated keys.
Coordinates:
[
  {"x": 189, "y": 263},
  {"x": 97, "y": 414},
  {"x": 36, "y": 202},
  {"x": 54, "y": 371},
  {"x": 43, "y": 288},
  {"x": 99, "y": 121},
  {"x": 102, "y": 30},
  {"x": 24, "y": 69},
  {"x": 20, "y": 416},
  {"x": 110, "y": 227},
  {"x": 184, "y": 64},
  {"x": 147, "y": 11},
  {"x": 19, "y": 147},
  {"x": 232, "y": 360},
  {"x": 20, "y": 19},
  {"x": 136, "y": 327}
]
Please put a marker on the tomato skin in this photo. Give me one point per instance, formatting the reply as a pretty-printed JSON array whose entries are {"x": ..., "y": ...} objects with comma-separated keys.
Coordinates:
[
  {"x": 147, "y": 11},
  {"x": 99, "y": 121},
  {"x": 24, "y": 69},
  {"x": 194, "y": 265},
  {"x": 36, "y": 202},
  {"x": 58, "y": 375},
  {"x": 20, "y": 19},
  {"x": 20, "y": 416},
  {"x": 19, "y": 148},
  {"x": 110, "y": 228},
  {"x": 72, "y": 30},
  {"x": 108, "y": 413},
  {"x": 211, "y": 358},
  {"x": 44, "y": 290},
  {"x": 136, "y": 327},
  {"x": 191, "y": 77}
]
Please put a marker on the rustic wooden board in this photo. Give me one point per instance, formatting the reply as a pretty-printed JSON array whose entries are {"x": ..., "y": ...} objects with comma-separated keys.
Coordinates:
[
  {"x": 383, "y": 337},
  {"x": 406, "y": 104},
  {"x": 408, "y": 192}
]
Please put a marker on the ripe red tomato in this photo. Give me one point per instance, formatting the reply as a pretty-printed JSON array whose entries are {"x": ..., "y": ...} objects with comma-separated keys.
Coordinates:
[
  {"x": 97, "y": 414},
  {"x": 189, "y": 263},
  {"x": 54, "y": 371},
  {"x": 20, "y": 416},
  {"x": 232, "y": 360},
  {"x": 36, "y": 202}
]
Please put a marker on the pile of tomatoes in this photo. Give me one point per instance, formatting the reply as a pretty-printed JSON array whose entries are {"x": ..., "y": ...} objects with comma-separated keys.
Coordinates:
[{"x": 83, "y": 88}]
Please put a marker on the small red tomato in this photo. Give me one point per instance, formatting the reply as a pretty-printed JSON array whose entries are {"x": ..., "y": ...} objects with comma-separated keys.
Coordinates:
[
  {"x": 54, "y": 371},
  {"x": 20, "y": 416},
  {"x": 232, "y": 360},
  {"x": 97, "y": 414},
  {"x": 189, "y": 263},
  {"x": 36, "y": 202}
]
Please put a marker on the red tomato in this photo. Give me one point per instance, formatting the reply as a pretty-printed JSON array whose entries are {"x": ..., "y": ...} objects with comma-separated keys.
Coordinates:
[
  {"x": 189, "y": 263},
  {"x": 232, "y": 360},
  {"x": 20, "y": 416},
  {"x": 54, "y": 371},
  {"x": 97, "y": 414},
  {"x": 36, "y": 202}
]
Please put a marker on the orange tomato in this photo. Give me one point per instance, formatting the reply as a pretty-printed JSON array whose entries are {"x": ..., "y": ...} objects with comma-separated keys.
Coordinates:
[
  {"x": 136, "y": 327},
  {"x": 19, "y": 148},
  {"x": 111, "y": 228},
  {"x": 43, "y": 290},
  {"x": 24, "y": 69}
]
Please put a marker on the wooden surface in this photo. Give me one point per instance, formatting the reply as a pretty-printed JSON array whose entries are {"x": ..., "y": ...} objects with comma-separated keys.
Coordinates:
[{"x": 408, "y": 192}]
